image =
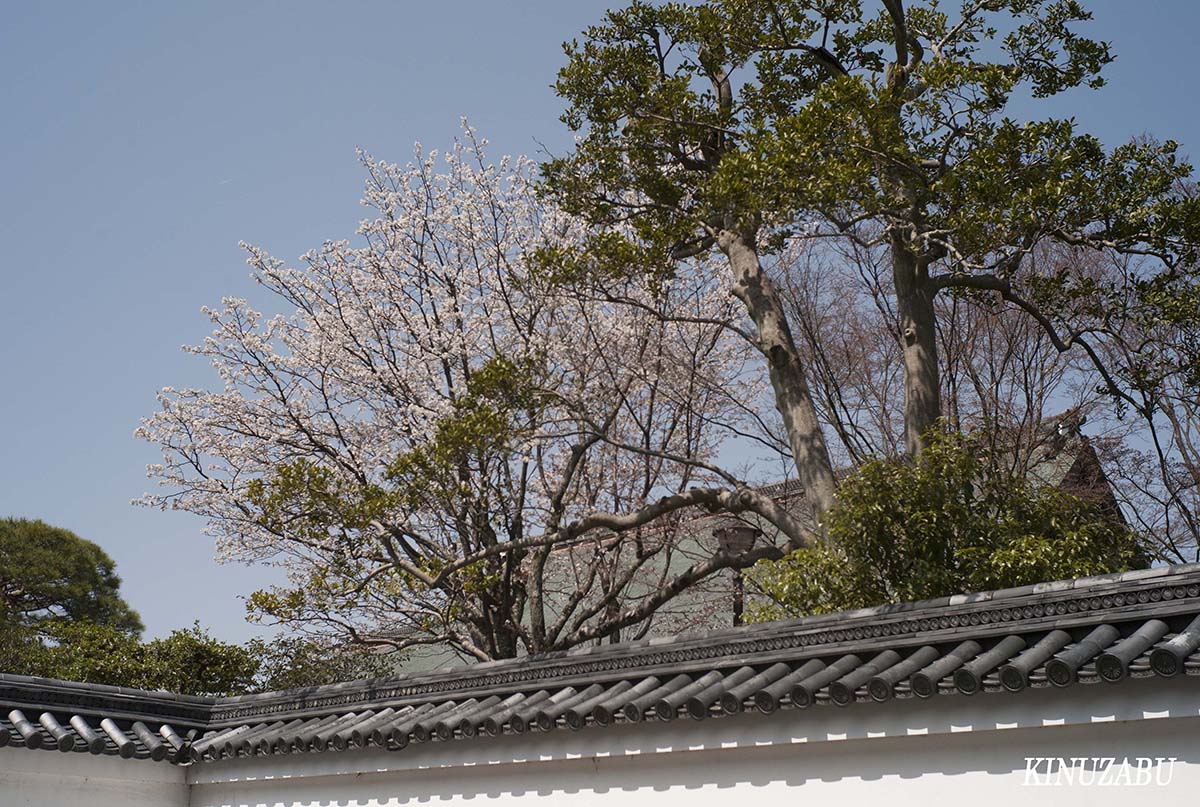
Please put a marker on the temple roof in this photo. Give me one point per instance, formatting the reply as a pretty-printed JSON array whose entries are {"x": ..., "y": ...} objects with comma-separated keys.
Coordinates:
[{"x": 1111, "y": 628}]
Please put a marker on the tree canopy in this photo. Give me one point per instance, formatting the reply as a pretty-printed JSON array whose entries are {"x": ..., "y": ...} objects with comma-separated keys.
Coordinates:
[
  {"x": 747, "y": 125},
  {"x": 791, "y": 236},
  {"x": 189, "y": 661},
  {"x": 958, "y": 521},
  {"x": 49, "y": 575},
  {"x": 444, "y": 446},
  {"x": 186, "y": 661},
  {"x": 64, "y": 617},
  {"x": 293, "y": 662}
]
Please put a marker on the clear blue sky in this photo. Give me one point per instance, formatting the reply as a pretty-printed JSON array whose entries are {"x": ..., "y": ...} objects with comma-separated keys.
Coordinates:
[{"x": 139, "y": 142}]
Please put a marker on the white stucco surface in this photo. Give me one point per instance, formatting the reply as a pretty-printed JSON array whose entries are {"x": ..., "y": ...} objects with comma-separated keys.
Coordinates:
[
  {"x": 921, "y": 771},
  {"x": 949, "y": 750},
  {"x": 53, "y": 779}
]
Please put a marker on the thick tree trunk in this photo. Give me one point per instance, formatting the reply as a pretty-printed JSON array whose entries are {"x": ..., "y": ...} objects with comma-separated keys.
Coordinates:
[
  {"x": 792, "y": 396},
  {"x": 918, "y": 341}
]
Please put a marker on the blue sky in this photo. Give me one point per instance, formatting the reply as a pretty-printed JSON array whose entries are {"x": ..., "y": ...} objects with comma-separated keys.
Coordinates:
[{"x": 139, "y": 142}]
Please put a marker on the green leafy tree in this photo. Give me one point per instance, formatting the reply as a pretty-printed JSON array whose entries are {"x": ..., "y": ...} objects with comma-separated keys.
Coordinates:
[
  {"x": 291, "y": 662},
  {"x": 744, "y": 125},
  {"x": 192, "y": 661},
  {"x": 187, "y": 661},
  {"x": 63, "y": 617},
  {"x": 20, "y": 650},
  {"x": 954, "y": 522},
  {"x": 50, "y": 575}
]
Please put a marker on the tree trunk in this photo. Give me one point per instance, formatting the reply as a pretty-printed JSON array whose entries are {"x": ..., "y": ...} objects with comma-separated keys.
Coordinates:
[
  {"x": 792, "y": 396},
  {"x": 918, "y": 340}
]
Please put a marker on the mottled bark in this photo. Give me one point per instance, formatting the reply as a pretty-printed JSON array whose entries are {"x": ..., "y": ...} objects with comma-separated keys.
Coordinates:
[
  {"x": 788, "y": 379},
  {"x": 918, "y": 342}
]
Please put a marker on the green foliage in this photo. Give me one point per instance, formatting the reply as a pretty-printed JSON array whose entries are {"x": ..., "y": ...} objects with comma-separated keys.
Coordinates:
[
  {"x": 501, "y": 404},
  {"x": 192, "y": 661},
  {"x": 501, "y": 400},
  {"x": 292, "y": 662},
  {"x": 892, "y": 123},
  {"x": 483, "y": 423},
  {"x": 952, "y": 523},
  {"x": 20, "y": 650},
  {"x": 1168, "y": 306},
  {"x": 326, "y": 501},
  {"x": 63, "y": 618},
  {"x": 763, "y": 115},
  {"x": 187, "y": 661},
  {"x": 50, "y": 575}
]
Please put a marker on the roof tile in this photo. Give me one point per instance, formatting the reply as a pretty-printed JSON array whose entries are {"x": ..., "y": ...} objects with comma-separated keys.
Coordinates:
[{"x": 1108, "y": 628}]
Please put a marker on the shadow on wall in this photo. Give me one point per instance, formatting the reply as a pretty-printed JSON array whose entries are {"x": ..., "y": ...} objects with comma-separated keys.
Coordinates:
[{"x": 980, "y": 768}]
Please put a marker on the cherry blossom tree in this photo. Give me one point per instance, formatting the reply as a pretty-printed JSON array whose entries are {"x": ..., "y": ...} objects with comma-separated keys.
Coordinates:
[{"x": 445, "y": 446}]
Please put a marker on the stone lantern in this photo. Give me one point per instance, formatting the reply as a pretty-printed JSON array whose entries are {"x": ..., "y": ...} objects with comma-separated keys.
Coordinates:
[{"x": 737, "y": 540}]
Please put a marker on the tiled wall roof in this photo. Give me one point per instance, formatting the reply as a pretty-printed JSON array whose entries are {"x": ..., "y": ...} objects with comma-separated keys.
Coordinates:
[{"x": 1104, "y": 629}]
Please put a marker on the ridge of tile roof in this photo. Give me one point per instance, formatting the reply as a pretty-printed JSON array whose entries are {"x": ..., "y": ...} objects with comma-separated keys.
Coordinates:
[{"x": 1108, "y": 628}]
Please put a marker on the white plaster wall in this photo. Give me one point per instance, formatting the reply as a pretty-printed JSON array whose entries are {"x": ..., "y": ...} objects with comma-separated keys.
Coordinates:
[
  {"x": 952, "y": 750},
  {"x": 914, "y": 772},
  {"x": 949, "y": 750},
  {"x": 53, "y": 779}
]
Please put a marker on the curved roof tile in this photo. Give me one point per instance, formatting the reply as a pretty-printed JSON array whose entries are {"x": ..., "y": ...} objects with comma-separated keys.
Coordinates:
[{"x": 1101, "y": 629}]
